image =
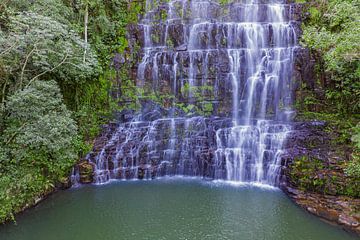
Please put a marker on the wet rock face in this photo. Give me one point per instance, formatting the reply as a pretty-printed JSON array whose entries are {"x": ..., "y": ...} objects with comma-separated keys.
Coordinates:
[
  {"x": 146, "y": 149},
  {"x": 205, "y": 58},
  {"x": 153, "y": 144},
  {"x": 313, "y": 161},
  {"x": 198, "y": 44},
  {"x": 304, "y": 70}
]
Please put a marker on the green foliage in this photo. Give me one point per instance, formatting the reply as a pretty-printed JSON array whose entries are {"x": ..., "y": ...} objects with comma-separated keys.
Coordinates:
[
  {"x": 339, "y": 127},
  {"x": 39, "y": 146},
  {"x": 44, "y": 47},
  {"x": 332, "y": 33},
  {"x": 303, "y": 173},
  {"x": 21, "y": 188},
  {"x": 95, "y": 106},
  {"x": 356, "y": 136},
  {"x": 200, "y": 94},
  {"x": 35, "y": 47},
  {"x": 41, "y": 40},
  {"x": 35, "y": 101},
  {"x": 108, "y": 22},
  {"x": 353, "y": 167},
  {"x": 311, "y": 174},
  {"x": 224, "y": 2},
  {"x": 40, "y": 131},
  {"x": 49, "y": 8}
]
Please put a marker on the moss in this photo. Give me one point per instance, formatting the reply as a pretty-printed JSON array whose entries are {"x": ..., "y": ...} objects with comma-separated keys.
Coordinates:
[
  {"x": 224, "y": 2},
  {"x": 311, "y": 174}
]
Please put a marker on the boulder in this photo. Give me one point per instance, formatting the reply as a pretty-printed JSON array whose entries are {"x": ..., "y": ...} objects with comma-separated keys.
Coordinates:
[
  {"x": 348, "y": 221},
  {"x": 86, "y": 172},
  {"x": 64, "y": 183}
]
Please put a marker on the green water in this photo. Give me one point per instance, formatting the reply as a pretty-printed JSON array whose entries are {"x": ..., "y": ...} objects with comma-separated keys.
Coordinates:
[{"x": 169, "y": 209}]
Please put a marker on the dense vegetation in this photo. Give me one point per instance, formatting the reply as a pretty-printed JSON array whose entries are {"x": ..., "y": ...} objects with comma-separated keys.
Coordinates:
[
  {"x": 56, "y": 76},
  {"x": 332, "y": 32}
]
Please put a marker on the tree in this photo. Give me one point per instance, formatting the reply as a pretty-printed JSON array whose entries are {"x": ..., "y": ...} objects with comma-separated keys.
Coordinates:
[
  {"x": 332, "y": 33},
  {"x": 41, "y": 132},
  {"x": 38, "y": 47}
]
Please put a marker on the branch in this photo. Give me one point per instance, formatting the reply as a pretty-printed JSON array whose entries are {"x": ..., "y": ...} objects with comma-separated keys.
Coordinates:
[
  {"x": 4, "y": 4},
  {"x": 24, "y": 66},
  {"x": 86, "y": 19},
  {"x": 2, "y": 107},
  {"x": 16, "y": 133},
  {"x": 47, "y": 71},
  {"x": 9, "y": 49}
]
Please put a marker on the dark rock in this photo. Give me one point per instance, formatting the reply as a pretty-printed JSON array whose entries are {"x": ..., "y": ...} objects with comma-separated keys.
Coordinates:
[
  {"x": 86, "y": 172},
  {"x": 141, "y": 173},
  {"x": 182, "y": 47}
]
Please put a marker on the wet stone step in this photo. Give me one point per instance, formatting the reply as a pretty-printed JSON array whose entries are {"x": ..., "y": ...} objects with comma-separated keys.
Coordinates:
[{"x": 238, "y": 58}]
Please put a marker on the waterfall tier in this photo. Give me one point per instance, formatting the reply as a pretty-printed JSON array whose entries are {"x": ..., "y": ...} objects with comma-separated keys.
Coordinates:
[{"x": 234, "y": 61}]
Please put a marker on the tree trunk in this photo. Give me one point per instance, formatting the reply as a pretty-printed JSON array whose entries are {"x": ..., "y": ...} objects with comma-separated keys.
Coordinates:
[{"x": 86, "y": 20}]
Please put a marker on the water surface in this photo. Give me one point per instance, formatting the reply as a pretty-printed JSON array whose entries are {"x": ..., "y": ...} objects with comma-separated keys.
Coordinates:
[{"x": 169, "y": 209}]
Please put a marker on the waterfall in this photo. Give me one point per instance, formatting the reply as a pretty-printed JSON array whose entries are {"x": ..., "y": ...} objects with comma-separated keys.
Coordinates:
[
  {"x": 233, "y": 62},
  {"x": 251, "y": 148}
]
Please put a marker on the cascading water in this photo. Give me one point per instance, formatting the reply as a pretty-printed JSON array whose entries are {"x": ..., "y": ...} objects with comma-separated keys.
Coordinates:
[
  {"x": 234, "y": 61},
  {"x": 252, "y": 147}
]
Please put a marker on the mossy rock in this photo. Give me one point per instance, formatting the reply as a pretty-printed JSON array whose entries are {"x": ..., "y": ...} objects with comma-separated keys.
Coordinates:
[
  {"x": 86, "y": 172},
  {"x": 64, "y": 182}
]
